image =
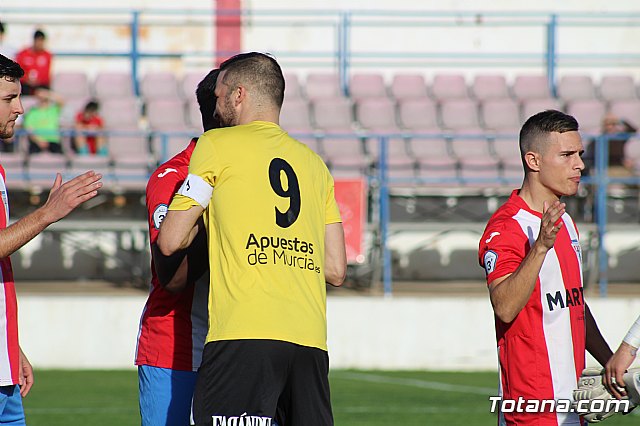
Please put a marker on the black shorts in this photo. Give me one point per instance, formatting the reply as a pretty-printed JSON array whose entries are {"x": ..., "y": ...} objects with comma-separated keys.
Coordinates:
[{"x": 264, "y": 379}]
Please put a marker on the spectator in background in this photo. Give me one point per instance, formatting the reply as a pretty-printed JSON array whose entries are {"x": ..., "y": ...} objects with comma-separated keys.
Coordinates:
[
  {"x": 36, "y": 62},
  {"x": 619, "y": 131},
  {"x": 88, "y": 138},
  {"x": 5, "y": 49},
  {"x": 42, "y": 123}
]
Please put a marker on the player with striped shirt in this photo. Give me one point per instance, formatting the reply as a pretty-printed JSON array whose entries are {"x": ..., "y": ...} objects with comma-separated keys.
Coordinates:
[
  {"x": 174, "y": 321},
  {"x": 16, "y": 374},
  {"x": 531, "y": 253}
]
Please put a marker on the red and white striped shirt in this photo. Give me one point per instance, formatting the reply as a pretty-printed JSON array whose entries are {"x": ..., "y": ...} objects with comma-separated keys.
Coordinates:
[
  {"x": 542, "y": 351},
  {"x": 9, "y": 347},
  {"x": 173, "y": 326}
]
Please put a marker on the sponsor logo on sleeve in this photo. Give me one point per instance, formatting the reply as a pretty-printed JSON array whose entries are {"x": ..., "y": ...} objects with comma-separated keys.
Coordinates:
[
  {"x": 490, "y": 259},
  {"x": 158, "y": 215},
  {"x": 166, "y": 172}
]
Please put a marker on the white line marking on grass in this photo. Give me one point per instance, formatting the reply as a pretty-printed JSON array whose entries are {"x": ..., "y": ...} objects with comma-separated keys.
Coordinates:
[
  {"x": 426, "y": 409},
  {"x": 423, "y": 384}
]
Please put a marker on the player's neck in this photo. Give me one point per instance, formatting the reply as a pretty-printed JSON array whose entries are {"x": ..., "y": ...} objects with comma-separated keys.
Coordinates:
[{"x": 535, "y": 194}]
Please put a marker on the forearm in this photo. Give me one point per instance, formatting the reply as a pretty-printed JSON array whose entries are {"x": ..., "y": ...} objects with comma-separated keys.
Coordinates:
[
  {"x": 595, "y": 343},
  {"x": 508, "y": 297},
  {"x": 335, "y": 267},
  {"x": 21, "y": 232}
]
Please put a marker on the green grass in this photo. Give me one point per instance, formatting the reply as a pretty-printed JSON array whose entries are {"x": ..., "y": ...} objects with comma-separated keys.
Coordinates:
[{"x": 371, "y": 398}]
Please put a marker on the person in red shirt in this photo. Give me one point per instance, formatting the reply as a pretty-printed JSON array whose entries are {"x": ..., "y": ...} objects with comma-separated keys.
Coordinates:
[
  {"x": 88, "y": 138},
  {"x": 36, "y": 63}
]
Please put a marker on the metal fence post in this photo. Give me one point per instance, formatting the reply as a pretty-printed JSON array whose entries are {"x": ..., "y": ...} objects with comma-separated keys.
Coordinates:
[
  {"x": 384, "y": 215},
  {"x": 552, "y": 27},
  {"x": 134, "y": 54},
  {"x": 602, "y": 183}
]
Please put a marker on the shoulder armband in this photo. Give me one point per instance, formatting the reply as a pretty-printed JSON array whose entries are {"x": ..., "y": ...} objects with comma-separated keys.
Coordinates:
[{"x": 197, "y": 189}]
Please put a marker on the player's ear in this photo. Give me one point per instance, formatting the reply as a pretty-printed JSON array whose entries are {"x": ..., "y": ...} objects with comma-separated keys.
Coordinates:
[
  {"x": 240, "y": 94},
  {"x": 532, "y": 160}
]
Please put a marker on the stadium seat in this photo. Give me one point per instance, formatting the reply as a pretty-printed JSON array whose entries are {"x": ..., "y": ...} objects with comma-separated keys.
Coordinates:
[
  {"x": 159, "y": 85},
  {"x": 471, "y": 146},
  {"x": 71, "y": 85},
  {"x": 377, "y": 115},
  {"x": 125, "y": 144},
  {"x": 589, "y": 114},
  {"x": 323, "y": 85},
  {"x": 480, "y": 172},
  {"x": 617, "y": 88},
  {"x": 295, "y": 116},
  {"x": 113, "y": 85},
  {"x": 424, "y": 150},
  {"x": 490, "y": 86},
  {"x": 408, "y": 86},
  {"x": 527, "y": 87},
  {"x": 345, "y": 152},
  {"x": 292, "y": 89},
  {"x": 120, "y": 113},
  {"x": 449, "y": 86},
  {"x": 362, "y": 86},
  {"x": 130, "y": 174},
  {"x": 500, "y": 114},
  {"x": 14, "y": 167},
  {"x": 440, "y": 172},
  {"x": 333, "y": 114},
  {"x": 189, "y": 83},
  {"x": 167, "y": 114},
  {"x": 534, "y": 106},
  {"x": 628, "y": 110},
  {"x": 419, "y": 114},
  {"x": 506, "y": 146},
  {"x": 575, "y": 87},
  {"x": 42, "y": 168},
  {"x": 79, "y": 164},
  {"x": 397, "y": 155},
  {"x": 194, "y": 118},
  {"x": 459, "y": 114}
]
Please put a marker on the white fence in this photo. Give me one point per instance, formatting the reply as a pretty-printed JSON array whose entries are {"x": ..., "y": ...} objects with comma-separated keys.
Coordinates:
[{"x": 435, "y": 333}]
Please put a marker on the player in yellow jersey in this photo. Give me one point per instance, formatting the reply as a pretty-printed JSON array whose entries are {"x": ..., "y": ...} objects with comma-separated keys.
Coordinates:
[{"x": 275, "y": 237}]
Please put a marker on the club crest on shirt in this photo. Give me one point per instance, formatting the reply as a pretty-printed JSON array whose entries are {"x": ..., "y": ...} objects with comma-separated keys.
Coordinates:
[
  {"x": 158, "y": 215},
  {"x": 490, "y": 259},
  {"x": 576, "y": 247}
]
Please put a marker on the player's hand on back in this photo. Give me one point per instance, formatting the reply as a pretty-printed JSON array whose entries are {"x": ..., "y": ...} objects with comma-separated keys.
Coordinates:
[
  {"x": 65, "y": 197},
  {"x": 550, "y": 223}
]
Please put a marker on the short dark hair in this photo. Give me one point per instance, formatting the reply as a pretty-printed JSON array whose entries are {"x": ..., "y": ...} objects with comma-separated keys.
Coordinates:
[
  {"x": 39, "y": 34},
  {"x": 534, "y": 130},
  {"x": 92, "y": 106},
  {"x": 258, "y": 70},
  {"x": 206, "y": 97},
  {"x": 1, "y": 27},
  {"x": 10, "y": 70}
]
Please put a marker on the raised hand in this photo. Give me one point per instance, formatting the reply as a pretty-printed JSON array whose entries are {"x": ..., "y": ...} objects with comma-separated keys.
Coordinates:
[
  {"x": 65, "y": 197},
  {"x": 550, "y": 223}
]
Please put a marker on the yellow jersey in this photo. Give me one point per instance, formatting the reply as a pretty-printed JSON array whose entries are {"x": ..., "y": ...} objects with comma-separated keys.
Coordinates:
[{"x": 272, "y": 198}]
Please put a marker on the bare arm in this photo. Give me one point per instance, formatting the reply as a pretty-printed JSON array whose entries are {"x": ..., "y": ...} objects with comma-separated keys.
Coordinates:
[
  {"x": 63, "y": 199},
  {"x": 335, "y": 264},
  {"x": 26, "y": 375},
  {"x": 510, "y": 293},
  {"x": 595, "y": 343},
  {"x": 178, "y": 230}
]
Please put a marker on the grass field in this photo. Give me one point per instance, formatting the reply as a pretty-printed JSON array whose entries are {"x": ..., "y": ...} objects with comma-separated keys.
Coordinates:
[{"x": 371, "y": 398}]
